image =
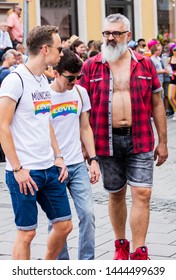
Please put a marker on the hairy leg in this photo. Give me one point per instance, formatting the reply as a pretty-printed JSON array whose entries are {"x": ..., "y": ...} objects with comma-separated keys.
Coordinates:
[
  {"x": 118, "y": 212},
  {"x": 139, "y": 216}
]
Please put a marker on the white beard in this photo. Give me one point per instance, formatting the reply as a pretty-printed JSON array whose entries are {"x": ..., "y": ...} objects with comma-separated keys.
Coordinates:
[{"x": 113, "y": 52}]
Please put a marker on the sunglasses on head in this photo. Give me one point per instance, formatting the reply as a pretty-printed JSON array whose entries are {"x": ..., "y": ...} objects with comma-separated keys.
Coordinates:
[{"x": 72, "y": 78}]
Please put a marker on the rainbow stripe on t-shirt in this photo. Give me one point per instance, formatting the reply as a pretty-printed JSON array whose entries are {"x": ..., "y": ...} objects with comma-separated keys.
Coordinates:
[
  {"x": 64, "y": 109},
  {"x": 42, "y": 106}
]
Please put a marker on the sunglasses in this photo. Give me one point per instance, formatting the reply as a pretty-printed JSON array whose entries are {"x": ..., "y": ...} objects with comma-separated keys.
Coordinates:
[
  {"x": 58, "y": 48},
  {"x": 72, "y": 78},
  {"x": 174, "y": 50},
  {"x": 115, "y": 34}
]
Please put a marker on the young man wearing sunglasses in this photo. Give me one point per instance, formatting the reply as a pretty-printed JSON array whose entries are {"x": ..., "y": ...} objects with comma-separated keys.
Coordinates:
[
  {"x": 31, "y": 148},
  {"x": 69, "y": 117}
]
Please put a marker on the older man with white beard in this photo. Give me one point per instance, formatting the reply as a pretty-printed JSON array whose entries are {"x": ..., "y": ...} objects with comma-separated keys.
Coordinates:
[{"x": 125, "y": 91}]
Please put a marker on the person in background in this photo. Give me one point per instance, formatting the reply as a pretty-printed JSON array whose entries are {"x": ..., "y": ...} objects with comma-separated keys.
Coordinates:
[
  {"x": 141, "y": 45},
  {"x": 166, "y": 81},
  {"x": 18, "y": 57},
  {"x": 94, "y": 47},
  {"x": 78, "y": 47},
  {"x": 65, "y": 41},
  {"x": 156, "y": 50},
  {"x": 133, "y": 45},
  {"x": 35, "y": 170},
  {"x": 15, "y": 26},
  {"x": 22, "y": 49},
  {"x": 151, "y": 43},
  {"x": 70, "y": 120},
  {"x": 8, "y": 60},
  {"x": 73, "y": 38},
  {"x": 5, "y": 41},
  {"x": 171, "y": 61},
  {"x": 93, "y": 53},
  {"x": 90, "y": 47},
  {"x": 124, "y": 90},
  {"x": 49, "y": 73}
]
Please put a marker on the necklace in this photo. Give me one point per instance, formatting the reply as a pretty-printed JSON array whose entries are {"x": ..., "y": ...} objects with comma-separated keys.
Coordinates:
[{"x": 38, "y": 81}]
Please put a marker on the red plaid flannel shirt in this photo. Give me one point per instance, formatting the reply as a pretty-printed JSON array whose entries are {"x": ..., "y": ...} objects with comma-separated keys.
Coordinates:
[{"x": 143, "y": 83}]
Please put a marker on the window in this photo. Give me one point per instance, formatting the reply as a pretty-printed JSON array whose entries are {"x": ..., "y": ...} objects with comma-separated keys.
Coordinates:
[
  {"x": 166, "y": 10},
  {"x": 123, "y": 7},
  {"x": 62, "y": 13}
]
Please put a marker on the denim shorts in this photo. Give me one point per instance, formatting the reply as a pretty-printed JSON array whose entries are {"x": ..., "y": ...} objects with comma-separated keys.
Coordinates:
[
  {"x": 51, "y": 196},
  {"x": 125, "y": 167}
]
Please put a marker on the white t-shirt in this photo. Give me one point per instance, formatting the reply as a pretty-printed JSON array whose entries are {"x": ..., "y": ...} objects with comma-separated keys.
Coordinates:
[
  {"x": 65, "y": 112},
  {"x": 30, "y": 125}
]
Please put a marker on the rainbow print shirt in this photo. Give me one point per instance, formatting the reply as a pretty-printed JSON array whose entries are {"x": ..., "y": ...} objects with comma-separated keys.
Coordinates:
[
  {"x": 42, "y": 106},
  {"x": 41, "y": 101},
  {"x": 64, "y": 109}
]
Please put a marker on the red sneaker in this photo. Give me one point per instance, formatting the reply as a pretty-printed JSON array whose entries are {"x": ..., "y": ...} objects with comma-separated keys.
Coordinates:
[
  {"x": 122, "y": 249},
  {"x": 141, "y": 253}
]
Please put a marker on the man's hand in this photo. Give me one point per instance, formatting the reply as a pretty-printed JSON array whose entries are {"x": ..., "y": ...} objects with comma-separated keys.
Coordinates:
[
  {"x": 160, "y": 154},
  {"x": 25, "y": 181},
  {"x": 94, "y": 172},
  {"x": 59, "y": 162}
]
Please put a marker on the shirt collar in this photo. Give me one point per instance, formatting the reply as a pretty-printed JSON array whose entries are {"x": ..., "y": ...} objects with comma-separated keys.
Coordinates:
[{"x": 135, "y": 56}]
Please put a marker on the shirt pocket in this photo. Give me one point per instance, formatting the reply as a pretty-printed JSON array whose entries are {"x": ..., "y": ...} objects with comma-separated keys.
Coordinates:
[
  {"x": 96, "y": 89},
  {"x": 145, "y": 84},
  {"x": 94, "y": 80}
]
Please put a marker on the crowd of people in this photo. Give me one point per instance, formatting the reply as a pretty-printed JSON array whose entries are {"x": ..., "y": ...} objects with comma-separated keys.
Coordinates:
[{"x": 75, "y": 115}]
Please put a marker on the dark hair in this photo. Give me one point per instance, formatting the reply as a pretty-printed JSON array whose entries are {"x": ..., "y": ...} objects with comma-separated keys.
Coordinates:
[
  {"x": 65, "y": 38},
  {"x": 140, "y": 40},
  {"x": 40, "y": 35},
  {"x": 69, "y": 62},
  {"x": 76, "y": 44},
  {"x": 89, "y": 44},
  {"x": 93, "y": 53}
]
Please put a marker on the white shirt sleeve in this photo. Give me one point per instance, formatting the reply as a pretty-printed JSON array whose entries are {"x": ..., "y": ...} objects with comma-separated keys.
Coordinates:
[{"x": 12, "y": 87}]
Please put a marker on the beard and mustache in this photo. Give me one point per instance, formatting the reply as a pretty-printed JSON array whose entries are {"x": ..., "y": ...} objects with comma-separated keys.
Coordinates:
[{"x": 112, "y": 51}]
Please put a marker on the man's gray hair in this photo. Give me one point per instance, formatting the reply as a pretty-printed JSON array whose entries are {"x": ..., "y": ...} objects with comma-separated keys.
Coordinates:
[
  {"x": 118, "y": 18},
  {"x": 7, "y": 55}
]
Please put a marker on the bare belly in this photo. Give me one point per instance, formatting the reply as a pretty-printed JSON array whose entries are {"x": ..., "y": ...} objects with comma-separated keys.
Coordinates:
[{"x": 121, "y": 109}]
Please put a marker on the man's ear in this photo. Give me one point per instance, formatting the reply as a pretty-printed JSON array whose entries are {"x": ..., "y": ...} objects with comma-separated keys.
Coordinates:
[
  {"x": 56, "y": 74},
  {"x": 129, "y": 35}
]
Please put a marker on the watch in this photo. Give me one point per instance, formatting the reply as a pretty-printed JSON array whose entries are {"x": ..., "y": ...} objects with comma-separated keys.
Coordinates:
[{"x": 93, "y": 158}]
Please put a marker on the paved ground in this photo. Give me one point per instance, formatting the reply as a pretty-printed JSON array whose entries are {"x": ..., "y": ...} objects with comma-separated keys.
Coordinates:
[{"x": 161, "y": 238}]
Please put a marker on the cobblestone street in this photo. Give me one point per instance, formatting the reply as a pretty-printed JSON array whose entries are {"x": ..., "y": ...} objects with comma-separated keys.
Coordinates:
[{"x": 161, "y": 238}]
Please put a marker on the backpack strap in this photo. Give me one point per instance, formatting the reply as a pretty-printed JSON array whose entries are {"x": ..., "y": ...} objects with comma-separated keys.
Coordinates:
[
  {"x": 80, "y": 96},
  {"x": 22, "y": 88}
]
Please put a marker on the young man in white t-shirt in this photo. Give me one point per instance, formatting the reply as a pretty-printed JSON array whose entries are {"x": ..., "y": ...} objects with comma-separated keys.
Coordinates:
[
  {"x": 70, "y": 120},
  {"x": 29, "y": 143}
]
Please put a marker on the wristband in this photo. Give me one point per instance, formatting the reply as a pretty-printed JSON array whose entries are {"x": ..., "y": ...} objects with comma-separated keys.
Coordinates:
[
  {"x": 93, "y": 158},
  {"x": 59, "y": 156},
  {"x": 17, "y": 169}
]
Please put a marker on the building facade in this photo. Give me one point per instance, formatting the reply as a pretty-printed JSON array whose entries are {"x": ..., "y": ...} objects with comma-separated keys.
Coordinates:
[{"x": 86, "y": 17}]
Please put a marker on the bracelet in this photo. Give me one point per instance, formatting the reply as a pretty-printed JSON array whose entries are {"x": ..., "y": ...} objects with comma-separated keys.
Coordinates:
[
  {"x": 58, "y": 156},
  {"x": 17, "y": 169},
  {"x": 93, "y": 158}
]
